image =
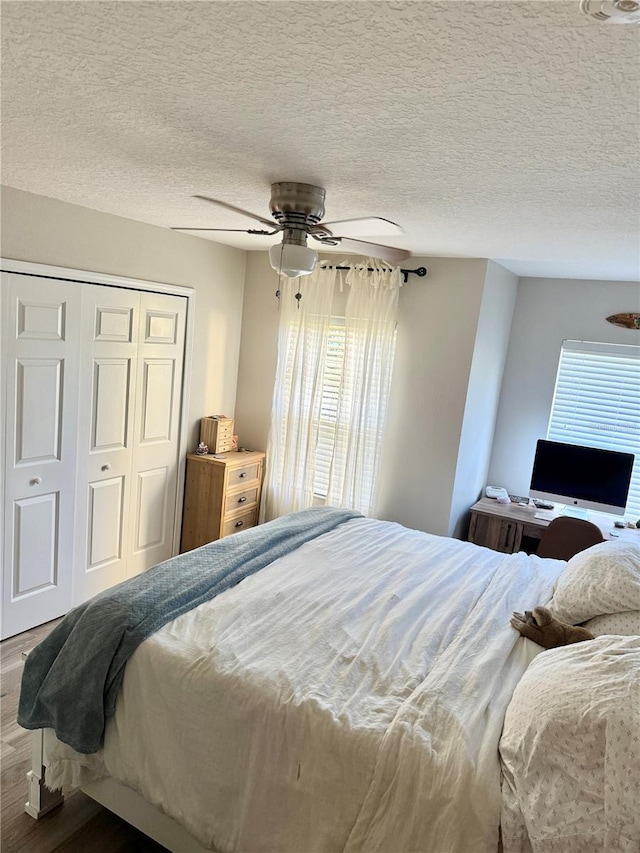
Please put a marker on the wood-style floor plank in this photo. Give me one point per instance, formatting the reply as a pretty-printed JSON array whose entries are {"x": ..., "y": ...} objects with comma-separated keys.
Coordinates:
[{"x": 80, "y": 825}]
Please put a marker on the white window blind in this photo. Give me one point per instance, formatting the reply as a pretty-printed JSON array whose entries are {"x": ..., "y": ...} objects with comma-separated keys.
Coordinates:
[
  {"x": 331, "y": 385},
  {"x": 597, "y": 403}
]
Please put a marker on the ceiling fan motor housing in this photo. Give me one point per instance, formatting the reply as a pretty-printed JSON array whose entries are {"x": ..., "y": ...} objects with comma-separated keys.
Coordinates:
[
  {"x": 297, "y": 206},
  {"x": 612, "y": 11}
]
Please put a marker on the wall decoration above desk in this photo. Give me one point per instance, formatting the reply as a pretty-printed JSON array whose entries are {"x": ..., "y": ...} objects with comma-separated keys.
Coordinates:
[{"x": 630, "y": 320}]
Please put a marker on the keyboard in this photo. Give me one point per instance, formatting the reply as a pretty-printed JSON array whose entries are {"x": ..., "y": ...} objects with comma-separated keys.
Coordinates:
[{"x": 545, "y": 514}]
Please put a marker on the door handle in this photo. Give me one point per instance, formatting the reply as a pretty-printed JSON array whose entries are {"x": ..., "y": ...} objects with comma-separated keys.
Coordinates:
[
  {"x": 36, "y": 481},
  {"x": 106, "y": 467}
]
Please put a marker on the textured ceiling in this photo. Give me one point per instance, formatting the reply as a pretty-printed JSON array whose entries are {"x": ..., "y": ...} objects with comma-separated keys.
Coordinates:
[{"x": 507, "y": 130}]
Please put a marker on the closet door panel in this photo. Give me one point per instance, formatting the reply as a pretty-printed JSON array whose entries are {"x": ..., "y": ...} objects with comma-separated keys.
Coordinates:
[
  {"x": 151, "y": 509},
  {"x": 158, "y": 394},
  {"x": 156, "y": 447},
  {"x": 36, "y": 557},
  {"x": 106, "y": 512},
  {"x": 106, "y": 429},
  {"x": 110, "y": 407},
  {"x": 38, "y": 410},
  {"x": 41, "y": 324},
  {"x": 39, "y": 320}
]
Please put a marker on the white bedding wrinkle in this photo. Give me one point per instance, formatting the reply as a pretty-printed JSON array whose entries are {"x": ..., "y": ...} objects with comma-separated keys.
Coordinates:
[
  {"x": 349, "y": 697},
  {"x": 571, "y": 751}
]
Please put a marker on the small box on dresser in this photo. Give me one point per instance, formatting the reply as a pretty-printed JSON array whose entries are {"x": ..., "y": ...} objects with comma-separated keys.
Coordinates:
[
  {"x": 222, "y": 496},
  {"x": 217, "y": 433}
]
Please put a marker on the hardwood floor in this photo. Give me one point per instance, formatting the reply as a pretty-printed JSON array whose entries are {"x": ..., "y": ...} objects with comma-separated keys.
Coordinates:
[{"x": 80, "y": 825}]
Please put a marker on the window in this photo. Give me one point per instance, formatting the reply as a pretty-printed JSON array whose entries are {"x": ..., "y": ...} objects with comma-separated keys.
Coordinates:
[
  {"x": 597, "y": 403},
  {"x": 332, "y": 428},
  {"x": 331, "y": 382}
]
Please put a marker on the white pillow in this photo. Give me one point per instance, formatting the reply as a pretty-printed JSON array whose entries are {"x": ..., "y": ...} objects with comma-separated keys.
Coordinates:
[
  {"x": 603, "y": 579},
  {"x": 627, "y": 623}
]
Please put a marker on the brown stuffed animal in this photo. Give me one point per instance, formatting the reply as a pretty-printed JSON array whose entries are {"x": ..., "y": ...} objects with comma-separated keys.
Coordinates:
[{"x": 541, "y": 627}]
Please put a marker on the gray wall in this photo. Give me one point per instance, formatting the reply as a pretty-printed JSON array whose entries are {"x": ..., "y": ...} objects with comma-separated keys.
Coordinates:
[
  {"x": 437, "y": 321},
  {"x": 483, "y": 393},
  {"x": 437, "y": 339},
  {"x": 452, "y": 332},
  {"x": 547, "y": 312},
  {"x": 258, "y": 352},
  {"x": 43, "y": 230}
]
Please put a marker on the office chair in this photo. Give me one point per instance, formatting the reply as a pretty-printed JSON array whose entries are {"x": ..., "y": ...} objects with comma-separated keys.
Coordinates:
[{"x": 566, "y": 536}]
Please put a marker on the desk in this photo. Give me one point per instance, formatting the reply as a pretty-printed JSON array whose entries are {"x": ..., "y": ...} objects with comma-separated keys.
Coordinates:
[{"x": 511, "y": 527}]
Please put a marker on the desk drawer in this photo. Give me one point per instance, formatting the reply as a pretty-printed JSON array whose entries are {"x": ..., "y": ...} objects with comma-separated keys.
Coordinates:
[
  {"x": 533, "y": 531},
  {"x": 241, "y": 500},
  {"x": 490, "y": 531},
  {"x": 240, "y": 522}
]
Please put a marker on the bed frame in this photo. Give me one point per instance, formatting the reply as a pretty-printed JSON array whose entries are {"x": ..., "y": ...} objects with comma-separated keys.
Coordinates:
[{"x": 118, "y": 798}]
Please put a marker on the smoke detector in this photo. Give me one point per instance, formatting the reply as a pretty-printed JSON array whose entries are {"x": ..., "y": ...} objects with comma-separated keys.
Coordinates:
[{"x": 612, "y": 11}]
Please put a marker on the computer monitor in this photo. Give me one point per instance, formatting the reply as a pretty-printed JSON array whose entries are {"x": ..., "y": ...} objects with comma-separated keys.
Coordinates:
[{"x": 581, "y": 477}]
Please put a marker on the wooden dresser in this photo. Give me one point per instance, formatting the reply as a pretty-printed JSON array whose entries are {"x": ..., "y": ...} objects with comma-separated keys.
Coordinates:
[{"x": 222, "y": 495}]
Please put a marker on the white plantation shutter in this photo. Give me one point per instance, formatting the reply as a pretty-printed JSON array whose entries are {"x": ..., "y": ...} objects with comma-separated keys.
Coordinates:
[
  {"x": 597, "y": 403},
  {"x": 331, "y": 384}
]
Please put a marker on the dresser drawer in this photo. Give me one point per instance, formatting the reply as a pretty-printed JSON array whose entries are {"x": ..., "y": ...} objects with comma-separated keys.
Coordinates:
[
  {"x": 243, "y": 474},
  {"x": 241, "y": 500},
  {"x": 240, "y": 522}
]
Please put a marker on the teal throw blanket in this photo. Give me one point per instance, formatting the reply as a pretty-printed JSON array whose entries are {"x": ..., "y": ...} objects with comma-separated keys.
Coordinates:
[{"x": 71, "y": 679}]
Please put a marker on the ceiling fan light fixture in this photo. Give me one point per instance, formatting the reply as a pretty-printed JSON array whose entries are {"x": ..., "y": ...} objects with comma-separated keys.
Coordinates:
[{"x": 292, "y": 260}]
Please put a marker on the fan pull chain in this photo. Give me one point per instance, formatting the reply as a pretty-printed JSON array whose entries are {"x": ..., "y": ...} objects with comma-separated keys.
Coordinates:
[{"x": 278, "y": 291}]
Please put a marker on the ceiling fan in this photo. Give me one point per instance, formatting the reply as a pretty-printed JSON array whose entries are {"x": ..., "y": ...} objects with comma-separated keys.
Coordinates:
[{"x": 298, "y": 210}]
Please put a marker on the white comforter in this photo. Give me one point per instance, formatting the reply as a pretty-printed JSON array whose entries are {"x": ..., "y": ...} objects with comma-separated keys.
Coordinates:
[{"x": 350, "y": 697}]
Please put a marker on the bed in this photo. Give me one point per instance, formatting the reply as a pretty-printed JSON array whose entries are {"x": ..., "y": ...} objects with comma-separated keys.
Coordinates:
[{"x": 349, "y": 695}]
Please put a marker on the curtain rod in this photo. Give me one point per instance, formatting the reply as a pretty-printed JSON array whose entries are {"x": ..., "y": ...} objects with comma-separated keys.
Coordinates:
[{"x": 421, "y": 271}]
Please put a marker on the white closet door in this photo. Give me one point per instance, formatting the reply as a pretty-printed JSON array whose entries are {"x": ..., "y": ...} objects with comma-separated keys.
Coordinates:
[
  {"x": 93, "y": 379},
  {"x": 40, "y": 365},
  {"x": 161, "y": 334},
  {"x": 130, "y": 397},
  {"x": 108, "y": 372}
]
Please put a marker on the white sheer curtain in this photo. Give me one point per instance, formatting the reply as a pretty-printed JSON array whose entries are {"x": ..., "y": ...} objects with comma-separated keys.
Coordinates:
[
  {"x": 362, "y": 390},
  {"x": 295, "y": 414},
  {"x": 370, "y": 336}
]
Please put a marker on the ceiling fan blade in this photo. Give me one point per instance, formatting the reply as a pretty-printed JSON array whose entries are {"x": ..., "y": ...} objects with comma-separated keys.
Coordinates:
[
  {"x": 236, "y": 230},
  {"x": 391, "y": 254},
  {"x": 268, "y": 222},
  {"x": 366, "y": 226}
]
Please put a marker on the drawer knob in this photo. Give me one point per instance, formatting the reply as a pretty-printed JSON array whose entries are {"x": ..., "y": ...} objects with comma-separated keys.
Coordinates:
[
  {"x": 239, "y": 523},
  {"x": 241, "y": 500},
  {"x": 243, "y": 474}
]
